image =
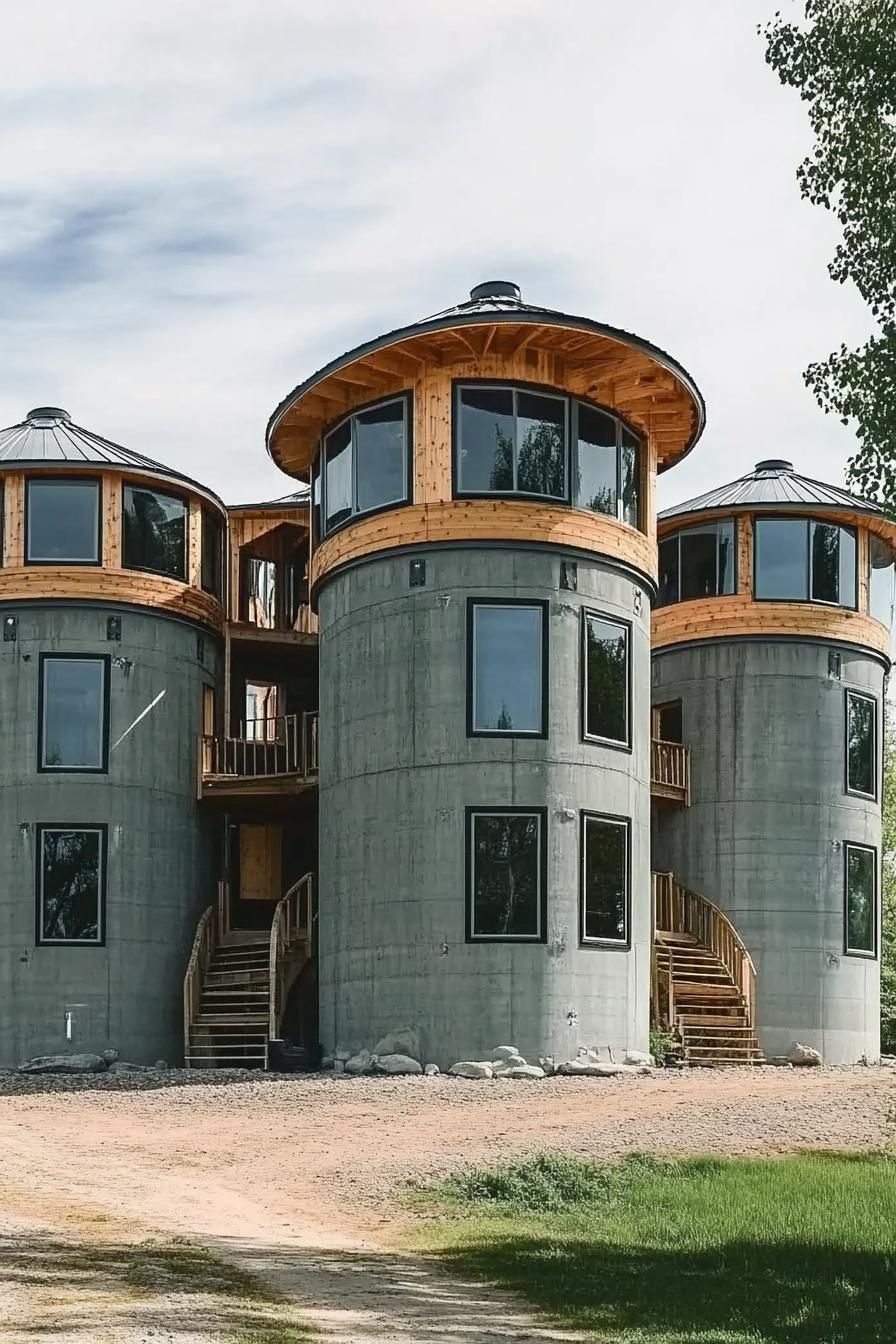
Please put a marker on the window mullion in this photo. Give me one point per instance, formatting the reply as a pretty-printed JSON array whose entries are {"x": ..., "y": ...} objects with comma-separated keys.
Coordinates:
[{"x": 516, "y": 441}]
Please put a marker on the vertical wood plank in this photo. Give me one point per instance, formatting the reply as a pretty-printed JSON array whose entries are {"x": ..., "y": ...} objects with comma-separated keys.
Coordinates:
[
  {"x": 862, "y": 560},
  {"x": 194, "y": 545},
  {"x": 112, "y": 550},
  {"x": 745, "y": 554},
  {"x": 14, "y": 520}
]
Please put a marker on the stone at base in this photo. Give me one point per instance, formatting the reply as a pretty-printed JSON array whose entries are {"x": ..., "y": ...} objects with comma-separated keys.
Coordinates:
[
  {"x": 804, "y": 1054},
  {"x": 402, "y": 1041},
  {"x": 526, "y": 1071},
  {"x": 431, "y": 1070},
  {"x": 359, "y": 1063},
  {"x": 471, "y": 1068},
  {"x": 504, "y": 1052},
  {"x": 64, "y": 1064},
  {"x": 585, "y": 1068},
  {"x": 397, "y": 1064}
]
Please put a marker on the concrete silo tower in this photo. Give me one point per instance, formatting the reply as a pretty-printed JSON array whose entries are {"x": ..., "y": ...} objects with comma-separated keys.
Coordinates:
[
  {"x": 771, "y": 648},
  {"x": 484, "y": 566}
]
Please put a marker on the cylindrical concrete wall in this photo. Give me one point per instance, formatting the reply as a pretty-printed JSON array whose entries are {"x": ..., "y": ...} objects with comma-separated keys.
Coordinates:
[
  {"x": 127, "y": 993},
  {"x": 397, "y": 773},
  {"x": 765, "y": 835}
]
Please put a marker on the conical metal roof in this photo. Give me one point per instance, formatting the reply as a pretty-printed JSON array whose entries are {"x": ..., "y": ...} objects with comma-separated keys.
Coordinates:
[
  {"x": 48, "y": 436},
  {"x": 773, "y": 484},
  {"x": 297, "y": 500}
]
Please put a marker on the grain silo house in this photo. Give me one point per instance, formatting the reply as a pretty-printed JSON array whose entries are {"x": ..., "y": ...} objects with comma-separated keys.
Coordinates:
[{"x": 454, "y": 737}]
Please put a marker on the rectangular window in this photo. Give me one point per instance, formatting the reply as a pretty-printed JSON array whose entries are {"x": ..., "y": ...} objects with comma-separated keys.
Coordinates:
[
  {"x": 62, "y": 522},
  {"x": 803, "y": 559},
  {"x": 74, "y": 713},
  {"x": 861, "y": 744},
  {"x": 605, "y": 693},
  {"x": 506, "y": 874},
  {"x": 260, "y": 588},
  {"x": 861, "y": 901},
  {"x": 606, "y": 845},
  {"x": 668, "y": 722},
  {"x": 596, "y": 476},
  {"x": 507, "y": 668},
  {"x": 155, "y": 532},
  {"x": 212, "y": 553},
  {"x": 510, "y": 441},
  {"x": 71, "y": 879}
]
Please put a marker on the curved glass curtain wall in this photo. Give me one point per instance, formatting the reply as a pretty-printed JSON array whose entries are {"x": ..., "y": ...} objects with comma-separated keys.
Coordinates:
[
  {"x": 515, "y": 440},
  {"x": 697, "y": 562},
  {"x": 364, "y": 464},
  {"x": 804, "y": 560},
  {"x": 880, "y": 585}
]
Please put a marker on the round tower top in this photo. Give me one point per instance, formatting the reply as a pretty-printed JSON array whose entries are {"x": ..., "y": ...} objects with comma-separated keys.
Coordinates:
[
  {"x": 774, "y": 464},
  {"x": 43, "y": 416},
  {"x": 495, "y": 289}
]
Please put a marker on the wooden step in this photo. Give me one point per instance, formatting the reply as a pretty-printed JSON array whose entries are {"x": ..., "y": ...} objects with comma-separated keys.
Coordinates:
[
  {"x": 689, "y": 988},
  {"x": 665, "y": 936},
  {"x": 711, "y": 1019},
  {"x": 231, "y": 1019}
]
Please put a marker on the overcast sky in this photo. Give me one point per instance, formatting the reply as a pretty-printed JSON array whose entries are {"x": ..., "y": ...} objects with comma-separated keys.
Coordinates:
[{"x": 201, "y": 203}]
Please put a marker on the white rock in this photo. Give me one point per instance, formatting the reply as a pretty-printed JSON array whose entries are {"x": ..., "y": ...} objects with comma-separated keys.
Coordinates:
[
  {"x": 586, "y": 1068},
  {"x": 396, "y": 1064},
  {"x": 803, "y": 1054},
  {"x": 81, "y": 1063},
  {"x": 526, "y": 1071},
  {"x": 401, "y": 1041},
  {"x": 110, "y": 1055},
  {"x": 505, "y": 1065},
  {"x": 470, "y": 1068},
  {"x": 546, "y": 1062},
  {"x": 431, "y": 1070},
  {"x": 359, "y": 1063},
  {"x": 638, "y": 1057},
  {"x": 505, "y": 1052},
  {"x": 588, "y": 1056}
]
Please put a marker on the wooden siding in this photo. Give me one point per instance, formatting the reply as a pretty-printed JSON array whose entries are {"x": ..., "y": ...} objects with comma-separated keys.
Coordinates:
[
  {"x": 479, "y": 520},
  {"x": 729, "y": 617}
]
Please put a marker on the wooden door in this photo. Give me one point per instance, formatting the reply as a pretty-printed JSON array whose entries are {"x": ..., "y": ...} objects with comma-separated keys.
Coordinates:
[{"x": 260, "y": 853}]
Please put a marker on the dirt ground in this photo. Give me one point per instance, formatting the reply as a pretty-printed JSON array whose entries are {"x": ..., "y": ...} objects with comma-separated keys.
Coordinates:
[{"x": 295, "y": 1179}]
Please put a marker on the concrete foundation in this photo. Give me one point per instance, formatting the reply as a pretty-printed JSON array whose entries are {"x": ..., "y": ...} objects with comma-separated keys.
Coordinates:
[
  {"x": 764, "y": 835},
  {"x": 398, "y": 771},
  {"x": 126, "y": 994}
]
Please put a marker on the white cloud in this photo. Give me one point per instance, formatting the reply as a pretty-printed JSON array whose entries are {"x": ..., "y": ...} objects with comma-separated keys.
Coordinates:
[{"x": 202, "y": 203}]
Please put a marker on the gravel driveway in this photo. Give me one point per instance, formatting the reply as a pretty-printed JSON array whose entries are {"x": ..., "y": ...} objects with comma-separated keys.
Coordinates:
[{"x": 296, "y": 1177}]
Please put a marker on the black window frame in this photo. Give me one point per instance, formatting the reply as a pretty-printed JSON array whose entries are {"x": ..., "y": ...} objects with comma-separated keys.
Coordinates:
[
  {"x": 210, "y": 518},
  {"x": 320, "y": 531},
  {"x": 570, "y": 457},
  {"x": 851, "y": 692},
  {"x": 106, "y": 661},
  {"x": 676, "y": 536},
  {"x": 614, "y": 744},
  {"x": 510, "y": 733},
  {"x": 102, "y": 829},
  {"x": 848, "y": 951},
  {"x": 808, "y": 519},
  {"x": 57, "y": 478},
  {"x": 163, "y": 494},
  {"x": 618, "y": 944},
  {"x": 471, "y": 812}
]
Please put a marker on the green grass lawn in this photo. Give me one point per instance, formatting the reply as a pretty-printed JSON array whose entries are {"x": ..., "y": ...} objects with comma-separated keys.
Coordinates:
[{"x": 793, "y": 1250}]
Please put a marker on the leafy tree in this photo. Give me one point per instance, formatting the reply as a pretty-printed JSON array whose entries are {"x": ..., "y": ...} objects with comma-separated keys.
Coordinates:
[
  {"x": 842, "y": 60},
  {"x": 888, "y": 932}
]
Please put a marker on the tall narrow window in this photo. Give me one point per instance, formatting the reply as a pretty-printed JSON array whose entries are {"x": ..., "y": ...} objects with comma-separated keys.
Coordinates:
[
  {"x": 506, "y": 874},
  {"x": 605, "y": 879},
  {"x": 861, "y": 900},
  {"x": 212, "y": 553},
  {"x": 861, "y": 744},
  {"x": 365, "y": 462},
  {"x": 880, "y": 563},
  {"x": 507, "y": 661},
  {"x": 260, "y": 592},
  {"x": 62, "y": 521},
  {"x": 605, "y": 698},
  {"x": 155, "y": 532},
  {"x": 71, "y": 880},
  {"x": 510, "y": 441},
  {"x": 74, "y": 715}
]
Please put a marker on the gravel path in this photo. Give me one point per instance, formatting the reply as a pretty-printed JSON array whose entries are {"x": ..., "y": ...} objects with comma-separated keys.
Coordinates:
[{"x": 296, "y": 1177}]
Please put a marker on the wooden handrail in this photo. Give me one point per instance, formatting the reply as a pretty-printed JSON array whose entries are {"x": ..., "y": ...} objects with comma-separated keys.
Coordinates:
[
  {"x": 285, "y": 744},
  {"x": 670, "y": 767},
  {"x": 292, "y": 924},
  {"x": 194, "y": 977},
  {"x": 678, "y": 910}
]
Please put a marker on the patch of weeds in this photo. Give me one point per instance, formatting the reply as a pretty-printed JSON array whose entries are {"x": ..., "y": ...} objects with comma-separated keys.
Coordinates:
[{"x": 545, "y": 1183}]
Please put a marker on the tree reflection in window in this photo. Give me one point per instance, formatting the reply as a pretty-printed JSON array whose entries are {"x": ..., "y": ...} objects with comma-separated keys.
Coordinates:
[
  {"x": 606, "y": 679},
  {"x": 155, "y": 532},
  {"x": 861, "y": 744},
  {"x": 605, "y": 845},
  {"x": 70, "y": 885},
  {"x": 861, "y": 900},
  {"x": 505, "y": 858}
]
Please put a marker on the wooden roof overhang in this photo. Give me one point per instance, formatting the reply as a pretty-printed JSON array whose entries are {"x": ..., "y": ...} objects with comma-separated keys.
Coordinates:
[{"x": 644, "y": 384}]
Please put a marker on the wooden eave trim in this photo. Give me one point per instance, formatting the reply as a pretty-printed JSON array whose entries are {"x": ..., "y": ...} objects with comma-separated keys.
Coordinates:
[{"x": 738, "y": 615}]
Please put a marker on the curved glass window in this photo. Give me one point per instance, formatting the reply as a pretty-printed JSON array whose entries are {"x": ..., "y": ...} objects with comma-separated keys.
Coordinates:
[
  {"x": 697, "y": 562},
  {"x": 880, "y": 560},
  {"x": 804, "y": 560},
  {"x": 366, "y": 461},
  {"x": 155, "y": 532},
  {"x": 521, "y": 441}
]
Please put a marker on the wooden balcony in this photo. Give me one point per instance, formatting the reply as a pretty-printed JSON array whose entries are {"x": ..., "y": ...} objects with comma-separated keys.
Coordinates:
[
  {"x": 670, "y": 771},
  {"x": 268, "y": 756}
]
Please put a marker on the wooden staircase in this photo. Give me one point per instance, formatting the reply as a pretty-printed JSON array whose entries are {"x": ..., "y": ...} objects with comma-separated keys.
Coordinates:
[
  {"x": 236, "y": 984},
  {"x": 704, "y": 981}
]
